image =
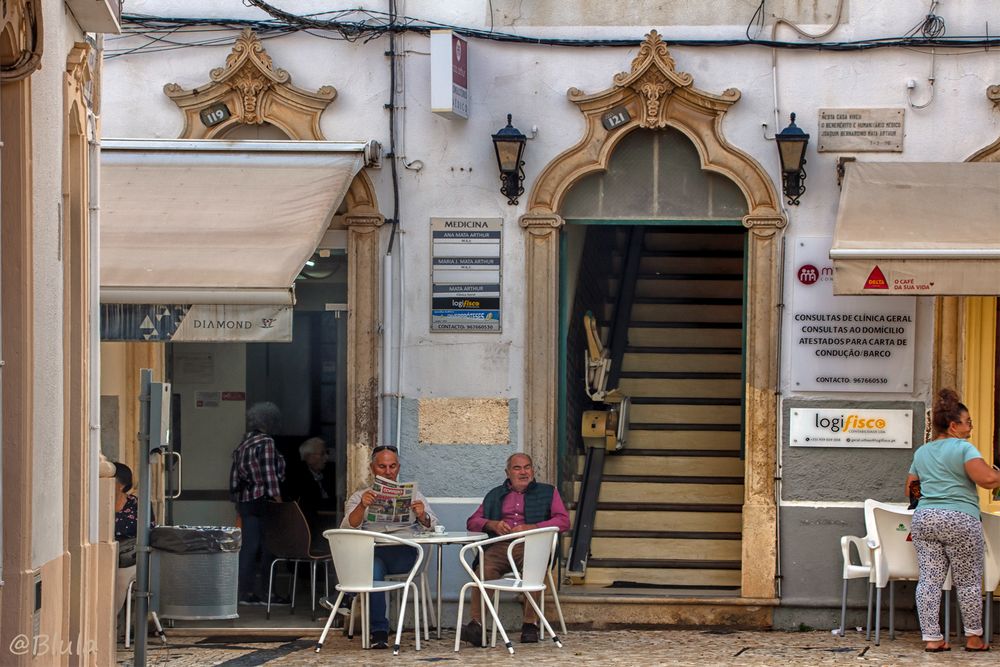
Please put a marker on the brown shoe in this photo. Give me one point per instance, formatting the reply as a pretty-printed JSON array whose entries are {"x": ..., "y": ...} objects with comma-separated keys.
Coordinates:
[
  {"x": 472, "y": 633},
  {"x": 529, "y": 633}
]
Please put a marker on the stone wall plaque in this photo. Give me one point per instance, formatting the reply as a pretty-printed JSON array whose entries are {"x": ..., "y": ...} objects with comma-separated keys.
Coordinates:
[
  {"x": 860, "y": 130},
  {"x": 463, "y": 421}
]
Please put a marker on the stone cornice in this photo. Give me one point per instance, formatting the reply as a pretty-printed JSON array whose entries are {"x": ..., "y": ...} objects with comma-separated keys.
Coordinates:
[
  {"x": 654, "y": 95},
  {"x": 255, "y": 92}
]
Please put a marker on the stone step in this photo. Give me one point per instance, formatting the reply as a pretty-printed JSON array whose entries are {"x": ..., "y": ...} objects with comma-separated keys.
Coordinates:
[
  {"x": 656, "y": 386},
  {"x": 686, "y": 362},
  {"x": 676, "y": 521},
  {"x": 641, "y": 547},
  {"x": 685, "y": 414},
  {"x": 669, "y": 440},
  {"x": 683, "y": 466},
  {"x": 666, "y": 492}
]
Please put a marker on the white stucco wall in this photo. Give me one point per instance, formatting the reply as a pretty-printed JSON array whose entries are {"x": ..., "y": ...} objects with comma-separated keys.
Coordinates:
[
  {"x": 459, "y": 176},
  {"x": 61, "y": 31}
]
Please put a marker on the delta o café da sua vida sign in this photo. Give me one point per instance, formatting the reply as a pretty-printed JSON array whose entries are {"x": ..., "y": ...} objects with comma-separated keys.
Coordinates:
[{"x": 846, "y": 343}]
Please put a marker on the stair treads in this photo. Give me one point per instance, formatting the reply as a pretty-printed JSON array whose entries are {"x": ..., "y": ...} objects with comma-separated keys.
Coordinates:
[
  {"x": 655, "y": 492},
  {"x": 688, "y": 467},
  {"x": 641, "y": 548},
  {"x": 665, "y": 563},
  {"x": 696, "y": 277},
  {"x": 651, "y": 350},
  {"x": 673, "y": 324},
  {"x": 718, "y": 579},
  {"x": 696, "y": 311},
  {"x": 646, "y": 288},
  {"x": 695, "y": 254},
  {"x": 654, "y": 426},
  {"x": 726, "y": 441},
  {"x": 669, "y": 479},
  {"x": 684, "y": 400},
  {"x": 668, "y": 507},
  {"x": 699, "y": 453},
  {"x": 675, "y": 523},
  {"x": 691, "y": 361},
  {"x": 715, "y": 415},
  {"x": 668, "y": 534},
  {"x": 686, "y": 300},
  {"x": 698, "y": 264},
  {"x": 638, "y": 387},
  {"x": 676, "y": 338},
  {"x": 691, "y": 375}
]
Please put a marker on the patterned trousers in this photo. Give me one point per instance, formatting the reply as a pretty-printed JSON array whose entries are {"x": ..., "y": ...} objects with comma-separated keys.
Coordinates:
[{"x": 943, "y": 539}]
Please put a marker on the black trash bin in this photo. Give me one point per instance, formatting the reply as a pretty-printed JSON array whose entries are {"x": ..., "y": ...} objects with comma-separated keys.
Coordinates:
[{"x": 199, "y": 571}]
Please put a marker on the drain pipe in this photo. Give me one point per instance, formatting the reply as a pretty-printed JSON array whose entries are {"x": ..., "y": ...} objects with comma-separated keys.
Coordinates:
[
  {"x": 94, "y": 215},
  {"x": 400, "y": 331},
  {"x": 387, "y": 304}
]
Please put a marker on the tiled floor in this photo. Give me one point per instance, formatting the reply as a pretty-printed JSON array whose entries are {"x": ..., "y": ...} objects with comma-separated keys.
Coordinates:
[{"x": 623, "y": 647}]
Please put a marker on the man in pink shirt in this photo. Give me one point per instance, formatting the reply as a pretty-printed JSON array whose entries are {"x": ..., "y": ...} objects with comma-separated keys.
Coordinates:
[{"x": 519, "y": 504}]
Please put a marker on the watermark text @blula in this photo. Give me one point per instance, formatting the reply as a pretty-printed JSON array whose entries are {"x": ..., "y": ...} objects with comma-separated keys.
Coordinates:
[{"x": 45, "y": 645}]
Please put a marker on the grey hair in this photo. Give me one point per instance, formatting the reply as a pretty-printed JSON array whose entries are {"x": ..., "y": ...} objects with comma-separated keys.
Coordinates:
[
  {"x": 264, "y": 417},
  {"x": 312, "y": 445},
  {"x": 524, "y": 454}
]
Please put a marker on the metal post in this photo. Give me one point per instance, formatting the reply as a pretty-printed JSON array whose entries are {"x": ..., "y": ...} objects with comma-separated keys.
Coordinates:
[{"x": 142, "y": 532}]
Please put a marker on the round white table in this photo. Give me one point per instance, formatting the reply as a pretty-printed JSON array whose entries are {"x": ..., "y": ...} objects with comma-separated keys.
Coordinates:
[{"x": 440, "y": 540}]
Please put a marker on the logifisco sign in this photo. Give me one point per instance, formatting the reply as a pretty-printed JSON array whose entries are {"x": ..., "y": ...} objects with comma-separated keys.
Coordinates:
[{"x": 892, "y": 429}]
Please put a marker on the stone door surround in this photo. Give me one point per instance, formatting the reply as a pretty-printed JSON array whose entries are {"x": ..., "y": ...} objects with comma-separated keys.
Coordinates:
[{"x": 655, "y": 95}]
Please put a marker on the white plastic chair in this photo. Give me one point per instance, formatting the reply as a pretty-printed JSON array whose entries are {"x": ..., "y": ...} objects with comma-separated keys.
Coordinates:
[
  {"x": 991, "y": 567},
  {"x": 428, "y": 614},
  {"x": 895, "y": 559},
  {"x": 539, "y": 547},
  {"x": 353, "y": 554},
  {"x": 856, "y": 571}
]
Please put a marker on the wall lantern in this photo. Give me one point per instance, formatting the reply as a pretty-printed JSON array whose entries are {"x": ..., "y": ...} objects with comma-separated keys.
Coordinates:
[
  {"x": 792, "y": 143},
  {"x": 509, "y": 145}
]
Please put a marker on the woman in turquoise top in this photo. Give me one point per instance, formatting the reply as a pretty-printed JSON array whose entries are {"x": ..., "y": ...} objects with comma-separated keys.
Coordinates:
[{"x": 946, "y": 530}]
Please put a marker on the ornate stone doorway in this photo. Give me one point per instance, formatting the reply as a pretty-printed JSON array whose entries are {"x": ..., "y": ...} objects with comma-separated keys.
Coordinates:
[{"x": 653, "y": 95}]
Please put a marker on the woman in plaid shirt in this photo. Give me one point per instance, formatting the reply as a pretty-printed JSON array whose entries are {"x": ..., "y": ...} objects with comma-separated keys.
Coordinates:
[{"x": 257, "y": 470}]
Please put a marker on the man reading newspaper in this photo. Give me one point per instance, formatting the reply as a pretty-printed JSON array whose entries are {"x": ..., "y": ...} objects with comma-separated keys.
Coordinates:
[{"x": 387, "y": 505}]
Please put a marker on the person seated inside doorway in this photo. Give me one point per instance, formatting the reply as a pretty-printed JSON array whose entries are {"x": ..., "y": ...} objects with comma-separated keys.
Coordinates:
[
  {"x": 520, "y": 503},
  {"x": 394, "y": 559},
  {"x": 126, "y": 531},
  {"x": 312, "y": 482}
]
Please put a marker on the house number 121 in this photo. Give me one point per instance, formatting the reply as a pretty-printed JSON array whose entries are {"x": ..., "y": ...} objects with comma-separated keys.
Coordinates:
[{"x": 615, "y": 118}]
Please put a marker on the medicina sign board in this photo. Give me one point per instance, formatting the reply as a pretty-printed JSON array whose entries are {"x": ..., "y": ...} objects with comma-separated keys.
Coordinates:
[{"x": 466, "y": 274}]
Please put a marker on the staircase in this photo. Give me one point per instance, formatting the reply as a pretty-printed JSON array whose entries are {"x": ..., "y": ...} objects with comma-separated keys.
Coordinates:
[{"x": 669, "y": 510}]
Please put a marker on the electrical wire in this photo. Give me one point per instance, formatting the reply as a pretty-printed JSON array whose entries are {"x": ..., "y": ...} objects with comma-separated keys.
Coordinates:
[
  {"x": 931, "y": 27},
  {"x": 365, "y": 25}
]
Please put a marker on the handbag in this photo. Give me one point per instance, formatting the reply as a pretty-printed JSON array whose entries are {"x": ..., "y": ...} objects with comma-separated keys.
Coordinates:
[{"x": 126, "y": 552}]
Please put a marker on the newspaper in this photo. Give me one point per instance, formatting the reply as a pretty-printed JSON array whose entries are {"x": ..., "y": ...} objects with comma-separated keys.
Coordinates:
[{"x": 393, "y": 504}]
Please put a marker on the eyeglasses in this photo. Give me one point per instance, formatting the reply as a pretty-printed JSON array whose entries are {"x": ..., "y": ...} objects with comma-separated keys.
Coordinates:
[
  {"x": 385, "y": 448},
  {"x": 967, "y": 422}
]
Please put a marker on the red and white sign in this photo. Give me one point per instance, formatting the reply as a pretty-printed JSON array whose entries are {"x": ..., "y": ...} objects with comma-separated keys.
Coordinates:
[
  {"x": 449, "y": 74},
  {"x": 846, "y": 343}
]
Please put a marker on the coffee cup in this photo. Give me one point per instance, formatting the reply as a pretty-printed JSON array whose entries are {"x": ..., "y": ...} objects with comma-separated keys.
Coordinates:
[{"x": 439, "y": 529}]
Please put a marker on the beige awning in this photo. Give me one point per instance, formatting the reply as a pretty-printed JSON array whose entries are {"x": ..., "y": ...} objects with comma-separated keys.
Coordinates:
[
  {"x": 918, "y": 228},
  {"x": 216, "y": 222}
]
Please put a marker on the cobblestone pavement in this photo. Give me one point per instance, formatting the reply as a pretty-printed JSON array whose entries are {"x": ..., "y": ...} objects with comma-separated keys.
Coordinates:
[{"x": 622, "y": 647}]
